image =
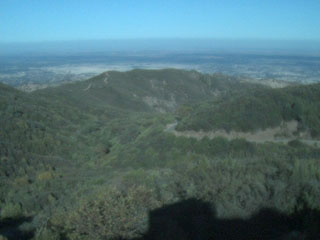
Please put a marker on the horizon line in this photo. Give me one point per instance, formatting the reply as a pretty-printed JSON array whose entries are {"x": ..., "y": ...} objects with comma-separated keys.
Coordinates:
[{"x": 164, "y": 39}]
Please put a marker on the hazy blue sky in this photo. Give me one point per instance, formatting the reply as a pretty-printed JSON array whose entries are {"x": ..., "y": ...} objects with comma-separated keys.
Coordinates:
[{"x": 42, "y": 20}]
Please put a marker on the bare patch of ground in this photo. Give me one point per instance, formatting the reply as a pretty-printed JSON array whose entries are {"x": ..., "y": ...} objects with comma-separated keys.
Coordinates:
[
  {"x": 160, "y": 105},
  {"x": 273, "y": 83}
]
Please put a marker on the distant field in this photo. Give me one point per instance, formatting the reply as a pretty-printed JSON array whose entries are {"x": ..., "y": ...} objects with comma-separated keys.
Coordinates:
[{"x": 30, "y": 73}]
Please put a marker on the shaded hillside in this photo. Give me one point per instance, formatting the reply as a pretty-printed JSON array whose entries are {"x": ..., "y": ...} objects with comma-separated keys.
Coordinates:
[
  {"x": 45, "y": 148},
  {"x": 194, "y": 219},
  {"x": 256, "y": 109},
  {"x": 145, "y": 90},
  {"x": 35, "y": 144},
  {"x": 35, "y": 125}
]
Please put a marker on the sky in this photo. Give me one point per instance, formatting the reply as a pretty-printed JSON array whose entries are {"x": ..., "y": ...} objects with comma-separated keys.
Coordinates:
[{"x": 70, "y": 20}]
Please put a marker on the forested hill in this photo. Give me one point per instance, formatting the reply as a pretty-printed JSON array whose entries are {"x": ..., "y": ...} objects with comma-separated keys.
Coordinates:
[
  {"x": 145, "y": 90},
  {"x": 256, "y": 109}
]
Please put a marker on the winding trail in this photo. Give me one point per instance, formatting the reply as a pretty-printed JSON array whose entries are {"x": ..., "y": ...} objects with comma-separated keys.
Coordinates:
[
  {"x": 89, "y": 86},
  {"x": 260, "y": 136},
  {"x": 106, "y": 78}
]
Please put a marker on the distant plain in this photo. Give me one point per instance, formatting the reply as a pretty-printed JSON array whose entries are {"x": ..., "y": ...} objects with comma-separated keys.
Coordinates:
[{"x": 39, "y": 70}]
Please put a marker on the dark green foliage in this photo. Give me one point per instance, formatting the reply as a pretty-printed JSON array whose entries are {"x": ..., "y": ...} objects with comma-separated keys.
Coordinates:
[{"x": 296, "y": 144}]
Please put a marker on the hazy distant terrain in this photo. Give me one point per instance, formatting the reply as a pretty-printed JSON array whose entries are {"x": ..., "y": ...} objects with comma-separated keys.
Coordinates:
[{"x": 38, "y": 71}]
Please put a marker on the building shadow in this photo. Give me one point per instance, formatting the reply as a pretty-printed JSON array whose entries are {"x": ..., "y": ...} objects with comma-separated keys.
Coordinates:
[
  {"x": 196, "y": 220},
  {"x": 10, "y": 228}
]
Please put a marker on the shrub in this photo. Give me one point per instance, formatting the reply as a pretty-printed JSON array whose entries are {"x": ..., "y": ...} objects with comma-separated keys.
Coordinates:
[
  {"x": 112, "y": 214},
  {"x": 11, "y": 210},
  {"x": 3, "y": 238},
  {"x": 46, "y": 234},
  {"x": 295, "y": 143},
  {"x": 43, "y": 176}
]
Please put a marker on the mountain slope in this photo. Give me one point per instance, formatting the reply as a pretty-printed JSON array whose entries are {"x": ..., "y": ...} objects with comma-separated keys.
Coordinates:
[
  {"x": 145, "y": 90},
  {"x": 256, "y": 109},
  {"x": 42, "y": 141}
]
